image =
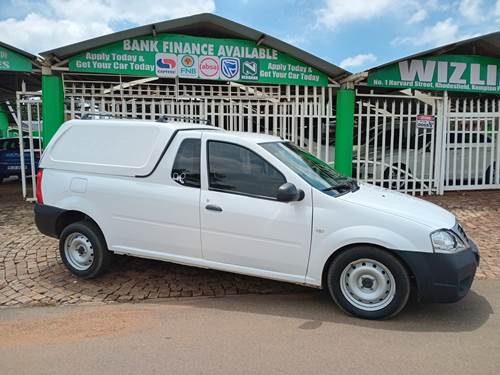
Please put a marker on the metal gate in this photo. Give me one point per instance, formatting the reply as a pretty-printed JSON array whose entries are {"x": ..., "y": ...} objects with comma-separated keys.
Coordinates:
[
  {"x": 391, "y": 149},
  {"x": 28, "y": 117},
  {"x": 304, "y": 115},
  {"x": 472, "y": 152},
  {"x": 423, "y": 144}
]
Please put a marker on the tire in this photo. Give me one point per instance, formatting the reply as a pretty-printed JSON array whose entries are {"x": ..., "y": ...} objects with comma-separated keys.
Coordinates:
[
  {"x": 374, "y": 274},
  {"x": 490, "y": 179},
  {"x": 83, "y": 249},
  {"x": 394, "y": 185}
]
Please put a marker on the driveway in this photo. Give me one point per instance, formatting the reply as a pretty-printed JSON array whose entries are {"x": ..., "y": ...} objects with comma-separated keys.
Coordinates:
[
  {"x": 31, "y": 272},
  {"x": 300, "y": 333}
]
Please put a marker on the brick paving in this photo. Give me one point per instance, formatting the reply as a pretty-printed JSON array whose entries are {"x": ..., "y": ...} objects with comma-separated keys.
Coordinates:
[{"x": 31, "y": 271}]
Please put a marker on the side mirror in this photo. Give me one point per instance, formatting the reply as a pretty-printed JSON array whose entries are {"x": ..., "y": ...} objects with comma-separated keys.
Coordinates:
[{"x": 288, "y": 192}]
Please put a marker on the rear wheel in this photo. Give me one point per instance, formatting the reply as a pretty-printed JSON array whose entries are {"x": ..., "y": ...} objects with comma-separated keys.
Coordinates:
[
  {"x": 369, "y": 283},
  {"x": 83, "y": 249}
]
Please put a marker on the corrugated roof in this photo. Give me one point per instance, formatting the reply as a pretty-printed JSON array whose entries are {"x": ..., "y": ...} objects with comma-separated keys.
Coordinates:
[
  {"x": 204, "y": 24},
  {"x": 19, "y": 51},
  {"x": 484, "y": 45}
]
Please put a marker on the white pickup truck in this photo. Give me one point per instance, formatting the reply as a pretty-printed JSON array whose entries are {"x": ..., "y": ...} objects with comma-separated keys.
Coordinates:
[{"x": 247, "y": 203}]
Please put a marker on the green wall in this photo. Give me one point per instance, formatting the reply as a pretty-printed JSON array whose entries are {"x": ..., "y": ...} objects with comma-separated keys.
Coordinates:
[{"x": 52, "y": 106}]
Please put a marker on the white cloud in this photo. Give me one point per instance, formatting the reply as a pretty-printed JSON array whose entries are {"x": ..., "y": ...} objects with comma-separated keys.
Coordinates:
[
  {"x": 440, "y": 33},
  {"x": 472, "y": 10},
  {"x": 71, "y": 21},
  {"x": 36, "y": 33},
  {"x": 418, "y": 16},
  {"x": 138, "y": 12},
  {"x": 358, "y": 60},
  {"x": 336, "y": 12},
  {"x": 496, "y": 11}
]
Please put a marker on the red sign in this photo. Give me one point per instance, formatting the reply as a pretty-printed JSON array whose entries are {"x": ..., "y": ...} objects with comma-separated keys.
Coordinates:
[{"x": 425, "y": 121}]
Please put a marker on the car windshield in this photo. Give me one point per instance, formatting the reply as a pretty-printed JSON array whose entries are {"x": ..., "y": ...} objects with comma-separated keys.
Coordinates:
[{"x": 315, "y": 171}]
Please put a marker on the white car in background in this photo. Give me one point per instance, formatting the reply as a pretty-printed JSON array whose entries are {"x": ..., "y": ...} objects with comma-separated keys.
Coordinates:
[
  {"x": 469, "y": 158},
  {"x": 245, "y": 203}
]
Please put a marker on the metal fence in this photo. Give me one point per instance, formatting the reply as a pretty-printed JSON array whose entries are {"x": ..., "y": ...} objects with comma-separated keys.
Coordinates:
[
  {"x": 28, "y": 117},
  {"x": 472, "y": 151},
  {"x": 425, "y": 144},
  {"x": 304, "y": 115}
]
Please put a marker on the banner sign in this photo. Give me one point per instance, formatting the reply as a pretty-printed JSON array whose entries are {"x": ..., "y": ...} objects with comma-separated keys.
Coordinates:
[
  {"x": 184, "y": 56},
  {"x": 13, "y": 61},
  {"x": 469, "y": 73}
]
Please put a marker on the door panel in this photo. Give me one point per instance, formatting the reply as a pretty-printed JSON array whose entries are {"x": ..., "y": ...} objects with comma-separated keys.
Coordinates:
[
  {"x": 161, "y": 214},
  {"x": 255, "y": 232}
]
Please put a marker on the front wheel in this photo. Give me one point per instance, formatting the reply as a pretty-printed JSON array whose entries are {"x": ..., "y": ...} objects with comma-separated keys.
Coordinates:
[
  {"x": 369, "y": 283},
  {"x": 83, "y": 249}
]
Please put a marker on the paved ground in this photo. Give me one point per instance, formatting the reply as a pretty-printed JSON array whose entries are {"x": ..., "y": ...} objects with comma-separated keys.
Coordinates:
[
  {"x": 280, "y": 334},
  {"x": 31, "y": 272}
]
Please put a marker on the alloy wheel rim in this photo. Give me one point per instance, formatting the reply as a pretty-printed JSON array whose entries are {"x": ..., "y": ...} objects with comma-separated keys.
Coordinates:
[
  {"x": 79, "y": 251},
  {"x": 368, "y": 284}
]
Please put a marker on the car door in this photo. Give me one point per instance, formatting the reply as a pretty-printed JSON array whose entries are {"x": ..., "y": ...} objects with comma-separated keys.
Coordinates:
[
  {"x": 159, "y": 216},
  {"x": 242, "y": 223}
]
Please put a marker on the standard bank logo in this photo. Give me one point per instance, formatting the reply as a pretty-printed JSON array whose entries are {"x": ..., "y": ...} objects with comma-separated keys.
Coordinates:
[
  {"x": 230, "y": 68},
  {"x": 166, "y": 65}
]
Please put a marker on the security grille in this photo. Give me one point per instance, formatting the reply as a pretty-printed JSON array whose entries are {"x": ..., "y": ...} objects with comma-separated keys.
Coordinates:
[
  {"x": 28, "y": 117},
  {"x": 392, "y": 149},
  {"x": 472, "y": 144},
  {"x": 304, "y": 115}
]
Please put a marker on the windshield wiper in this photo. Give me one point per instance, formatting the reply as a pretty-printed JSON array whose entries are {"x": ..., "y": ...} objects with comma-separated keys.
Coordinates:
[{"x": 352, "y": 185}]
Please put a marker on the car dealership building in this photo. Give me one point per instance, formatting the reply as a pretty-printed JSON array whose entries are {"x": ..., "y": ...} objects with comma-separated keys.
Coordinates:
[{"x": 423, "y": 124}]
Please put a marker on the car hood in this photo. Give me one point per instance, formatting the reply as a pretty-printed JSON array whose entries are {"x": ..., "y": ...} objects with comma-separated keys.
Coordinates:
[{"x": 402, "y": 205}]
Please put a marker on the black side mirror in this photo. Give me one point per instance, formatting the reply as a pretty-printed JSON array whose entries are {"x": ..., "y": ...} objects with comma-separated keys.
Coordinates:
[{"x": 288, "y": 192}]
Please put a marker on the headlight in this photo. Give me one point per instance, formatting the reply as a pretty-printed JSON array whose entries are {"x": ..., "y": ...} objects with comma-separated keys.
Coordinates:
[{"x": 445, "y": 241}]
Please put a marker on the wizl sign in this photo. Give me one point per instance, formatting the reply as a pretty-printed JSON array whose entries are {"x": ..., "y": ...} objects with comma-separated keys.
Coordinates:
[{"x": 446, "y": 72}]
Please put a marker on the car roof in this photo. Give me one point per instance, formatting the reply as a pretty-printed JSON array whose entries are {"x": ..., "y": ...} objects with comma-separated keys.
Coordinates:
[
  {"x": 253, "y": 137},
  {"x": 174, "y": 125}
]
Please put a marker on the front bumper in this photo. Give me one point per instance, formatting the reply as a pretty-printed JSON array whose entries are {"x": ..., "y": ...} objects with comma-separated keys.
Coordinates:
[{"x": 443, "y": 277}]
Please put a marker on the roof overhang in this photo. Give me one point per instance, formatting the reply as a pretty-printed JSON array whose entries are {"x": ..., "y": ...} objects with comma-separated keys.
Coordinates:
[
  {"x": 484, "y": 45},
  {"x": 204, "y": 24}
]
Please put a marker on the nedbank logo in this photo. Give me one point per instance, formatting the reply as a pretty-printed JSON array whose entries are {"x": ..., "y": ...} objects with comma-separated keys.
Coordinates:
[{"x": 249, "y": 70}]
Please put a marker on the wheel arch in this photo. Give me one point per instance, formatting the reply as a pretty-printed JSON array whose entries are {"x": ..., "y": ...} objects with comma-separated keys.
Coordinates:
[
  {"x": 345, "y": 248},
  {"x": 73, "y": 216}
]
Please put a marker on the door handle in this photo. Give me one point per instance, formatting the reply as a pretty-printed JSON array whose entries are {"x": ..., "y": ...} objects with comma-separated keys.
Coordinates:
[{"x": 213, "y": 207}]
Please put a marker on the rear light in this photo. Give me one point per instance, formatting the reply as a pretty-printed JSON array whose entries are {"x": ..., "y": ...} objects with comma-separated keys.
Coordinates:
[{"x": 39, "y": 196}]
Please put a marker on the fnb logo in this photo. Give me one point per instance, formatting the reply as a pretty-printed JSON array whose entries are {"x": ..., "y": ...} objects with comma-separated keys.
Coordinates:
[
  {"x": 209, "y": 67},
  {"x": 166, "y": 65},
  {"x": 187, "y": 66},
  {"x": 187, "y": 61}
]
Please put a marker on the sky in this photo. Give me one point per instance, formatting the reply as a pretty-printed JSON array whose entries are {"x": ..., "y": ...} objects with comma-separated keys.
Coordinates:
[{"x": 354, "y": 34}]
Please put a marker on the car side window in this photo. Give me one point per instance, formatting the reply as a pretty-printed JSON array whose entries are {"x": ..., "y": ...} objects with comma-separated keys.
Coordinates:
[
  {"x": 236, "y": 169},
  {"x": 186, "y": 168}
]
